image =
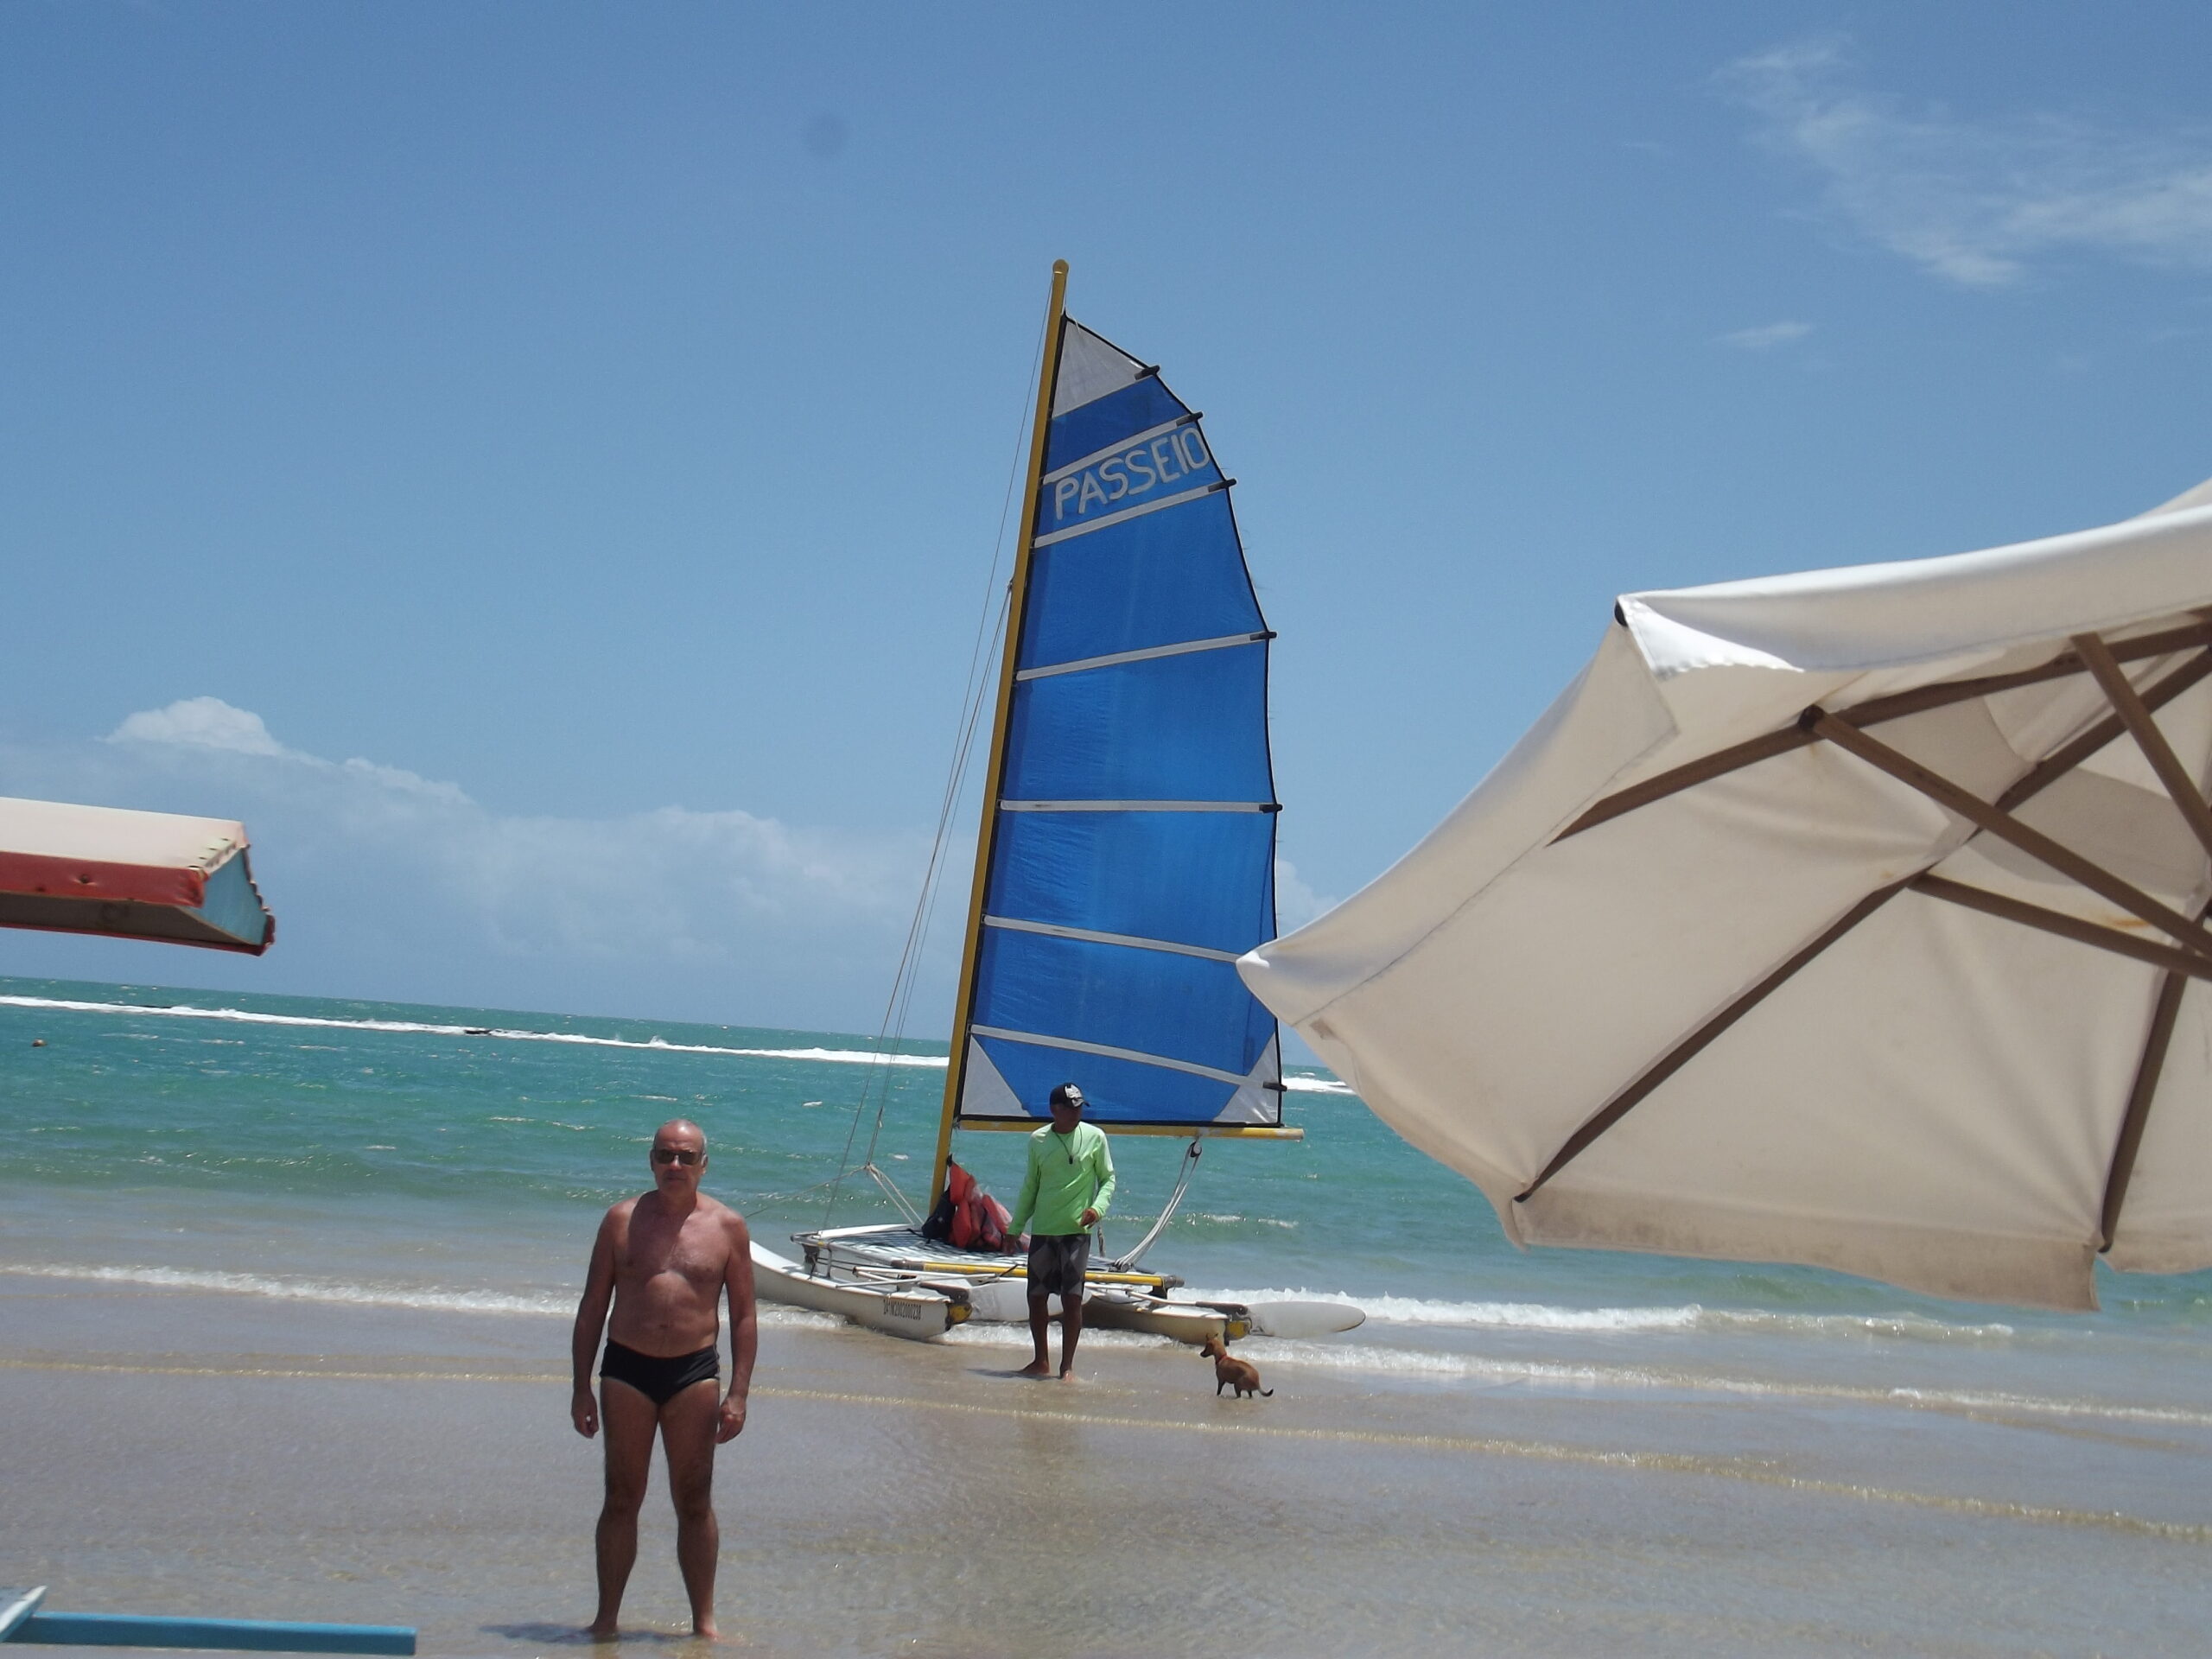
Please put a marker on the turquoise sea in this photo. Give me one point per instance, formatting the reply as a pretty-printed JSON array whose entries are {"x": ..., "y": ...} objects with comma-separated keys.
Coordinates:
[{"x": 338, "y": 1151}]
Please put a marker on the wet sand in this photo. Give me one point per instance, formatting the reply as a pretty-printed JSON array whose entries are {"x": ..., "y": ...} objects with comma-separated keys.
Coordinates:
[{"x": 191, "y": 1452}]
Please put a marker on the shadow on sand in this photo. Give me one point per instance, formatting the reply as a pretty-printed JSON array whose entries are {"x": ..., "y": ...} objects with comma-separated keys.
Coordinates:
[{"x": 574, "y": 1636}]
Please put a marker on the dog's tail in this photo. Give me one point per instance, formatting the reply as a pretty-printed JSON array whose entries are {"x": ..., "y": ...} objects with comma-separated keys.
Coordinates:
[{"x": 1268, "y": 1394}]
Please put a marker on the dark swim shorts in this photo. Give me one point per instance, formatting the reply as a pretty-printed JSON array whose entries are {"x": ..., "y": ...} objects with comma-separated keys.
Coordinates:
[
  {"x": 660, "y": 1380},
  {"x": 1056, "y": 1264}
]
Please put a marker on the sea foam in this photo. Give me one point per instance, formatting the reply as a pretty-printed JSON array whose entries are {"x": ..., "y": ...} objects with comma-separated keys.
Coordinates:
[
  {"x": 337, "y": 1293},
  {"x": 653, "y": 1044},
  {"x": 1687, "y": 1317}
]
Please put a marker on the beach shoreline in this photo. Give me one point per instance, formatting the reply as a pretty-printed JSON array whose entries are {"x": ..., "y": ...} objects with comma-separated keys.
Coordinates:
[{"x": 195, "y": 1451}]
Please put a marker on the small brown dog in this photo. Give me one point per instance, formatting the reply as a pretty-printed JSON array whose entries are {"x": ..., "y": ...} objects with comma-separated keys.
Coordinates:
[{"x": 1241, "y": 1374}]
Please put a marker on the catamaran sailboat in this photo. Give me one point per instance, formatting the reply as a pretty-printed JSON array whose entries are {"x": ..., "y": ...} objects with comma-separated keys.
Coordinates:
[{"x": 1126, "y": 856}]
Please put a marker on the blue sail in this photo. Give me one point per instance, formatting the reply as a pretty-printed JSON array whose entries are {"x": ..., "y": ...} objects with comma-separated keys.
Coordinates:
[{"x": 1131, "y": 856}]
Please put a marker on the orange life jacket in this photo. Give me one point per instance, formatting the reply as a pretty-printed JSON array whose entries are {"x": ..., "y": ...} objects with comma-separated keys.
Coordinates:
[{"x": 978, "y": 1219}]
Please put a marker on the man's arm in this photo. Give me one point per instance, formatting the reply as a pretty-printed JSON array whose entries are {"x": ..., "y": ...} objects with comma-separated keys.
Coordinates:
[
  {"x": 1026, "y": 1205},
  {"x": 1101, "y": 1170},
  {"x": 744, "y": 1328},
  {"x": 591, "y": 1319}
]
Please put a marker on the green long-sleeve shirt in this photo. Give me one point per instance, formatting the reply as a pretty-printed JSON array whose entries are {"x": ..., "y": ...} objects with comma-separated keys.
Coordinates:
[{"x": 1068, "y": 1175}]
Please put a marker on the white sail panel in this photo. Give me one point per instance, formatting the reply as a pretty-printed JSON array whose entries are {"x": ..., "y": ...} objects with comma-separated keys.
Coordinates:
[
  {"x": 984, "y": 1091},
  {"x": 1090, "y": 368}
]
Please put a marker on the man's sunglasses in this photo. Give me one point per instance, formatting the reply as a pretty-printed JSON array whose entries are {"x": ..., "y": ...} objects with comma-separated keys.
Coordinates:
[{"x": 685, "y": 1156}]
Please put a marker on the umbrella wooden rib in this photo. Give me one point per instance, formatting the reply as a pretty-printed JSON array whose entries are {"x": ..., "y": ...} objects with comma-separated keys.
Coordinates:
[
  {"x": 1684, "y": 1052},
  {"x": 1877, "y": 710},
  {"x": 2005, "y": 827},
  {"x": 2063, "y": 758},
  {"x": 2186, "y": 963},
  {"x": 2147, "y": 1072},
  {"x": 2133, "y": 713},
  {"x": 2148, "y": 738}
]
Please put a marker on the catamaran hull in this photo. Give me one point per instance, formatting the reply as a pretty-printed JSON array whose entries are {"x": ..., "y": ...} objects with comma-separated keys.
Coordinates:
[
  {"x": 918, "y": 1314},
  {"x": 1191, "y": 1322},
  {"x": 998, "y": 1290}
]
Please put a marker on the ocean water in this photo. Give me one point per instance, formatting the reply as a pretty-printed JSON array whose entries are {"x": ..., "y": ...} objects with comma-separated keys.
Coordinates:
[{"x": 324, "y": 1150}]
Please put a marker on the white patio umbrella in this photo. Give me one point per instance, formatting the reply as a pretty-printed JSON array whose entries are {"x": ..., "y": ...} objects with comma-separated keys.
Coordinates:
[{"x": 1853, "y": 919}]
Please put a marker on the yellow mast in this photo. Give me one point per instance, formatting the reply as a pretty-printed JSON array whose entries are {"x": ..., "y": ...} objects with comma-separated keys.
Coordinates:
[{"x": 956, "y": 1073}]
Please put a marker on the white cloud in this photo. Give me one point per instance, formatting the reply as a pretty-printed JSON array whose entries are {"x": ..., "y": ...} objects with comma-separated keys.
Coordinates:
[
  {"x": 1976, "y": 201},
  {"x": 1767, "y": 336},
  {"x": 199, "y": 722},
  {"x": 211, "y": 723},
  {"x": 1296, "y": 904},
  {"x": 386, "y": 882}
]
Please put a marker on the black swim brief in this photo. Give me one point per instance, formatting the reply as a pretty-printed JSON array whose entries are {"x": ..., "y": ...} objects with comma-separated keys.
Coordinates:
[
  {"x": 660, "y": 1379},
  {"x": 1056, "y": 1264}
]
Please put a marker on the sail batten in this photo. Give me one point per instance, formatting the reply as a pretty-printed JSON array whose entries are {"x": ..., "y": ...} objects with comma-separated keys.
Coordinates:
[
  {"x": 1139, "y": 806},
  {"x": 1146, "y": 437},
  {"x": 1126, "y": 940},
  {"x": 1149, "y": 651},
  {"x": 1105, "y": 1051},
  {"x": 1129, "y": 839}
]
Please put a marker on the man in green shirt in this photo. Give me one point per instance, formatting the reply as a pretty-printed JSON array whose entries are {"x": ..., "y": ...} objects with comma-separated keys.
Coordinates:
[{"x": 1069, "y": 1183}]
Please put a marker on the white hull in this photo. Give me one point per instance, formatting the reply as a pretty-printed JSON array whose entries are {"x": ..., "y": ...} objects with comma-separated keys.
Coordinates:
[
  {"x": 997, "y": 1287},
  {"x": 899, "y": 1309},
  {"x": 1191, "y": 1322}
]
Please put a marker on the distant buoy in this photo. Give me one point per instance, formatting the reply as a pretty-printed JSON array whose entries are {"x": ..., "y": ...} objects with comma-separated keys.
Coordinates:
[{"x": 38, "y": 1042}]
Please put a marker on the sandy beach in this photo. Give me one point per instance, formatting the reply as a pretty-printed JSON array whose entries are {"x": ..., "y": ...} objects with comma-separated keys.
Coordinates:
[{"x": 181, "y": 1451}]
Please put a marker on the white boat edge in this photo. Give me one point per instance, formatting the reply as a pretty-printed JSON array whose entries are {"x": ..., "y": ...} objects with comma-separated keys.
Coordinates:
[
  {"x": 14, "y": 1612},
  {"x": 919, "y": 1313},
  {"x": 1116, "y": 1300}
]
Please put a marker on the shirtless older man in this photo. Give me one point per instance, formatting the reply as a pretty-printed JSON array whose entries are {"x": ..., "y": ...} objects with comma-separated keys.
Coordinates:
[{"x": 664, "y": 1260}]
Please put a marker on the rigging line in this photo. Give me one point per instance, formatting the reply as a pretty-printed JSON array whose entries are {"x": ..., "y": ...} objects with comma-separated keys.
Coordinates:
[
  {"x": 912, "y": 1215},
  {"x": 893, "y": 1028},
  {"x": 894, "y": 1015},
  {"x": 933, "y": 885},
  {"x": 902, "y": 983},
  {"x": 1123, "y": 1264}
]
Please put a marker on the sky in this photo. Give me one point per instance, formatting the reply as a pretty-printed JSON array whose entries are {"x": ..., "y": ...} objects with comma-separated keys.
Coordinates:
[{"x": 541, "y": 465}]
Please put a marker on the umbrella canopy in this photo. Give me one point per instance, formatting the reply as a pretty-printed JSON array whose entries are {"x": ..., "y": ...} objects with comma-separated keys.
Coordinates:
[
  {"x": 1853, "y": 919},
  {"x": 133, "y": 875}
]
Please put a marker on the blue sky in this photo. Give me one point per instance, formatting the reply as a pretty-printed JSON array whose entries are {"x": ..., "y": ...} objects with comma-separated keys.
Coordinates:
[{"x": 566, "y": 444}]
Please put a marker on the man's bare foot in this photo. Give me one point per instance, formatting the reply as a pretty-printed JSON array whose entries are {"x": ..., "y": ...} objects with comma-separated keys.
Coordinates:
[
  {"x": 1067, "y": 1376},
  {"x": 1035, "y": 1367},
  {"x": 704, "y": 1630},
  {"x": 600, "y": 1630}
]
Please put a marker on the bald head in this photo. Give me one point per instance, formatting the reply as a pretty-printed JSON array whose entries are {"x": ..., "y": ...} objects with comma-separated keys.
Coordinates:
[{"x": 679, "y": 1157}]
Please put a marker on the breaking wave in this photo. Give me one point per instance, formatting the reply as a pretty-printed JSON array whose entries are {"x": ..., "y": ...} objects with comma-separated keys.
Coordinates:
[
  {"x": 1688, "y": 1317},
  {"x": 428, "y": 1298},
  {"x": 655, "y": 1045},
  {"x": 651, "y": 1045},
  {"x": 1451, "y": 1367},
  {"x": 334, "y": 1292}
]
